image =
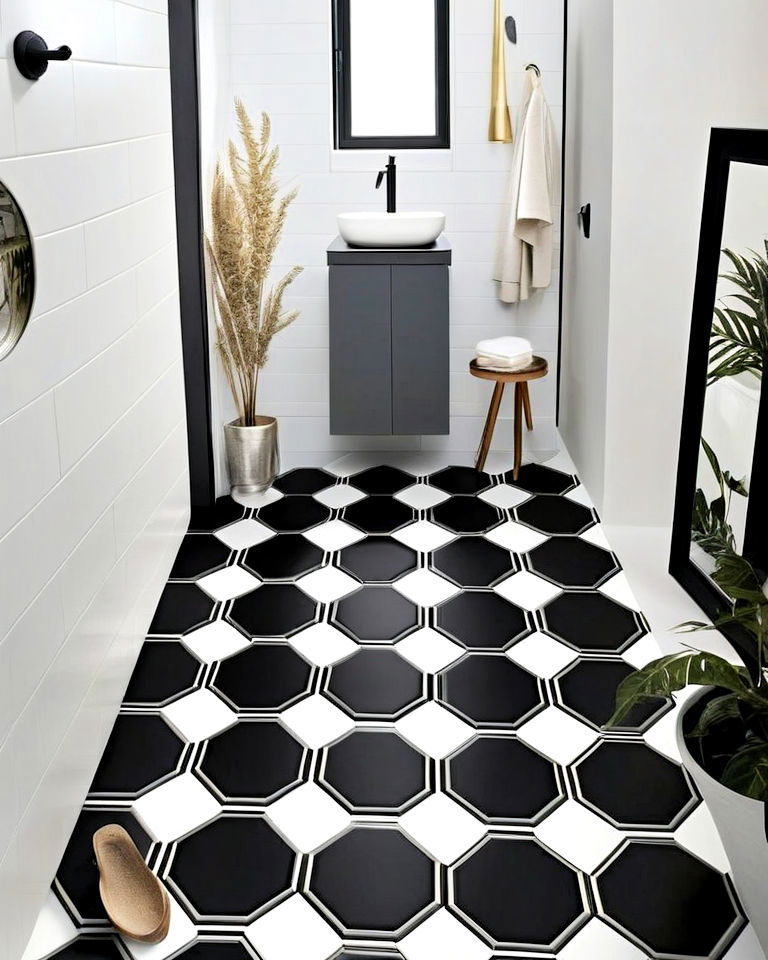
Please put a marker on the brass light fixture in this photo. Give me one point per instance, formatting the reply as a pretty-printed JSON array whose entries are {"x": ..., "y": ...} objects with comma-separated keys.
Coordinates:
[{"x": 500, "y": 124}]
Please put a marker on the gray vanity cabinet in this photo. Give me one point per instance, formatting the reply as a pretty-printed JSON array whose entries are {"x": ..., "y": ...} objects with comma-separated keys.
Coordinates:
[{"x": 389, "y": 346}]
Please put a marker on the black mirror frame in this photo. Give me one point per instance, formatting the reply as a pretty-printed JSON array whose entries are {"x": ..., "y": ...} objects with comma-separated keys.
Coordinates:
[
  {"x": 342, "y": 92},
  {"x": 726, "y": 146}
]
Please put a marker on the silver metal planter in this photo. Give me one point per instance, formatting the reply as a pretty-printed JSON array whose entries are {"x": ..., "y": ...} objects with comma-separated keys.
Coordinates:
[{"x": 253, "y": 455}]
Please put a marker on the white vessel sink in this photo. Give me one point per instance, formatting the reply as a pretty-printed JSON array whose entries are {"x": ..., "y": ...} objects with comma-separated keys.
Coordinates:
[{"x": 391, "y": 229}]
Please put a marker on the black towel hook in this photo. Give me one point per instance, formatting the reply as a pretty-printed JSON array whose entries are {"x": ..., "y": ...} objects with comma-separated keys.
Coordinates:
[
  {"x": 31, "y": 54},
  {"x": 532, "y": 66}
]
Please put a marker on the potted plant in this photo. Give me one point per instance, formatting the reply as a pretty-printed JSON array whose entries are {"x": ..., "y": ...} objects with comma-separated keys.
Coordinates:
[
  {"x": 247, "y": 218},
  {"x": 723, "y": 730}
]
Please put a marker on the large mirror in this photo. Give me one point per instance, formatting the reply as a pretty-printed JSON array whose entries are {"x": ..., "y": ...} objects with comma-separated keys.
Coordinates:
[
  {"x": 17, "y": 269},
  {"x": 391, "y": 74},
  {"x": 720, "y": 507}
]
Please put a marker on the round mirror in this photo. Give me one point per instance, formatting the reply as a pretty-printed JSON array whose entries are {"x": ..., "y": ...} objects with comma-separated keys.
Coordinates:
[{"x": 18, "y": 272}]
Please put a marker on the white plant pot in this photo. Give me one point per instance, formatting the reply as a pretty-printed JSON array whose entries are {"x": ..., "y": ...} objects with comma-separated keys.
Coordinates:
[
  {"x": 253, "y": 455},
  {"x": 740, "y": 822}
]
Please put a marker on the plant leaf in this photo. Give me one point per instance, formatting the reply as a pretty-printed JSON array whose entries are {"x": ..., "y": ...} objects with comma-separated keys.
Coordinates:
[
  {"x": 717, "y": 711},
  {"x": 747, "y": 770}
]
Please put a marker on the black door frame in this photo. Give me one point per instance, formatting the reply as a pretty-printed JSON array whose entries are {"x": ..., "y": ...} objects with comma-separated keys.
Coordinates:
[{"x": 185, "y": 107}]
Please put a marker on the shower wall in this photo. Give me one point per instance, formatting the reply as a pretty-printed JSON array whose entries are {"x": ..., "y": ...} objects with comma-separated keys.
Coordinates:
[{"x": 93, "y": 471}]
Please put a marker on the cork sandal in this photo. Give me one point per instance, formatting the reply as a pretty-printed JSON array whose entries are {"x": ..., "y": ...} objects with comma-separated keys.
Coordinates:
[{"x": 135, "y": 900}]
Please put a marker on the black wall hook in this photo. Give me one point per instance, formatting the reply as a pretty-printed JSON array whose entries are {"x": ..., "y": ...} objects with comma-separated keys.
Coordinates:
[{"x": 31, "y": 54}]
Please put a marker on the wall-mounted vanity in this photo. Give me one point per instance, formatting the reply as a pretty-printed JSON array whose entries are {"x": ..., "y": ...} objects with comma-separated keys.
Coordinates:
[{"x": 389, "y": 339}]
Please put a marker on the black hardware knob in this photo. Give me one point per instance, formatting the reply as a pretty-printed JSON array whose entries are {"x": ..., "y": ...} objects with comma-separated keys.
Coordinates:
[{"x": 31, "y": 54}]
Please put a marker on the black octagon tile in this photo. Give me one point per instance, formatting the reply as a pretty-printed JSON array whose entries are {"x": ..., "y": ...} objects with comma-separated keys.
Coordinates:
[
  {"x": 504, "y": 780},
  {"x": 254, "y": 761},
  {"x": 216, "y": 950},
  {"x": 672, "y": 902},
  {"x": 198, "y": 554},
  {"x": 208, "y": 519},
  {"x": 490, "y": 691},
  {"x": 460, "y": 480},
  {"x": 536, "y": 478},
  {"x": 284, "y": 557},
  {"x": 263, "y": 677},
  {"x": 518, "y": 893},
  {"x": 92, "y": 948},
  {"x": 369, "y": 956},
  {"x": 142, "y": 752},
  {"x": 232, "y": 868},
  {"x": 482, "y": 620},
  {"x": 78, "y": 875},
  {"x": 273, "y": 610},
  {"x": 376, "y": 683},
  {"x": 571, "y": 562},
  {"x": 375, "y": 771},
  {"x": 182, "y": 607},
  {"x": 464, "y": 514},
  {"x": 592, "y": 622},
  {"x": 164, "y": 671},
  {"x": 588, "y": 689},
  {"x": 555, "y": 515},
  {"x": 304, "y": 480},
  {"x": 473, "y": 562},
  {"x": 382, "y": 480},
  {"x": 372, "y": 880},
  {"x": 378, "y": 559},
  {"x": 634, "y": 786},
  {"x": 294, "y": 514},
  {"x": 376, "y": 615},
  {"x": 378, "y": 514}
]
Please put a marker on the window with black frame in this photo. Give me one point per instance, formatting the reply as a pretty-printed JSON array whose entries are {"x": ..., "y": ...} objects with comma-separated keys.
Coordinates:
[{"x": 391, "y": 74}]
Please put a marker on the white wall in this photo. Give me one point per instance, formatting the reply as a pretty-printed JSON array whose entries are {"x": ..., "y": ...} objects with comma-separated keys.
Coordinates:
[
  {"x": 93, "y": 474},
  {"x": 281, "y": 63}
]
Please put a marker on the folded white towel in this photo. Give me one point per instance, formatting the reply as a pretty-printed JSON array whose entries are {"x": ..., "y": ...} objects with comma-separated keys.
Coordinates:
[
  {"x": 504, "y": 348},
  {"x": 504, "y": 366}
]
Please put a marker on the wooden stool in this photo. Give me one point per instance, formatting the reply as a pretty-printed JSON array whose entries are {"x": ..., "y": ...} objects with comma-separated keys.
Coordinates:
[{"x": 537, "y": 369}]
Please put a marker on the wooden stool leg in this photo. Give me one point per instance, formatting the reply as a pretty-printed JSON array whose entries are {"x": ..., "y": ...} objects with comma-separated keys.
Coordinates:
[
  {"x": 519, "y": 393},
  {"x": 527, "y": 406},
  {"x": 490, "y": 423}
]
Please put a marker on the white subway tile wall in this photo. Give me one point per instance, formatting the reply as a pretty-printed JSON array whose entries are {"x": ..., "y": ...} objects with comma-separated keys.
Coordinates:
[
  {"x": 280, "y": 62},
  {"x": 93, "y": 463}
]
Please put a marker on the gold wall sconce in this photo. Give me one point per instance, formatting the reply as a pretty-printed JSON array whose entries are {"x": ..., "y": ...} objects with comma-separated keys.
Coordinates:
[{"x": 500, "y": 123}]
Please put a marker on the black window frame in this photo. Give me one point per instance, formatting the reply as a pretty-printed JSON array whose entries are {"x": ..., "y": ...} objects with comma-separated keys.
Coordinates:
[{"x": 342, "y": 92}]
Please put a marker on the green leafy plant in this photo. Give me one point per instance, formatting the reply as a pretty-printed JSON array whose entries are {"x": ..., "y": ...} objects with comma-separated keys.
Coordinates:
[
  {"x": 741, "y": 696},
  {"x": 739, "y": 341},
  {"x": 710, "y": 527}
]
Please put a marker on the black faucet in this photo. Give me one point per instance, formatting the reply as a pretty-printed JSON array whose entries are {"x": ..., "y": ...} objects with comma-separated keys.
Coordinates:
[{"x": 391, "y": 174}]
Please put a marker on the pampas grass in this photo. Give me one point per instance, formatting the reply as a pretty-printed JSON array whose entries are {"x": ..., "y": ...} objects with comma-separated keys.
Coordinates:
[{"x": 247, "y": 220}]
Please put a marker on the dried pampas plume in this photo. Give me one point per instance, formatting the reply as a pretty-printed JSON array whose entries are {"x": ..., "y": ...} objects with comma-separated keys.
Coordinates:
[{"x": 247, "y": 219}]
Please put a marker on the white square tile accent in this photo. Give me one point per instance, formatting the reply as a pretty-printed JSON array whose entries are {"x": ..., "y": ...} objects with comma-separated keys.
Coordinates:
[
  {"x": 316, "y": 721},
  {"x": 504, "y": 496},
  {"x": 746, "y": 947},
  {"x": 215, "y": 641},
  {"x": 173, "y": 809},
  {"x": 341, "y": 495},
  {"x": 244, "y": 534},
  {"x": 434, "y": 730},
  {"x": 698, "y": 834},
  {"x": 443, "y": 828},
  {"x": 662, "y": 736},
  {"x": 199, "y": 716},
  {"x": 334, "y": 535},
  {"x": 618, "y": 589},
  {"x": 596, "y": 535},
  {"x": 557, "y": 735},
  {"x": 257, "y": 500},
  {"x": 52, "y": 931},
  {"x": 421, "y": 496},
  {"x": 429, "y": 650},
  {"x": 311, "y": 937},
  {"x": 542, "y": 655},
  {"x": 181, "y": 933},
  {"x": 228, "y": 583},
  {"x": 578, "y": 835},
  {"x": 424, "y": 536},
  {"x": 580, "y": 495},
  {"x": 323, "y": 644},
  {"x": 327, "y": 584},
  {"x": 516, "y": 537},
  {"x": 308, "y": 817},
  {"x": 598, "y": 941},
  {"x": 527, "y": 590},
  {"x": 425, "y": 588},
  {"x": 641, "y": 653},
  {"x": 442, "y": 937}
]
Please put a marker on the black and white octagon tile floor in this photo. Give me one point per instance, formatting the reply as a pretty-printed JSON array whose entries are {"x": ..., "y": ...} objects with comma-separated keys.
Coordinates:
[{"x": 366, "y": 725}]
